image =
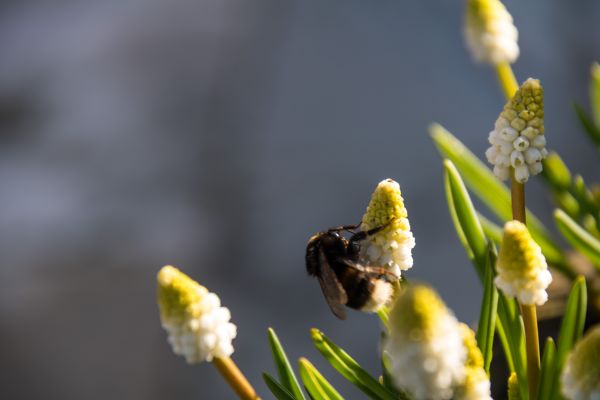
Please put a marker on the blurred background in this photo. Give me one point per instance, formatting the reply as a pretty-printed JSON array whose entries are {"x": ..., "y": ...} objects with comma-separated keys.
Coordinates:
[{"x": 217, "y": 136}]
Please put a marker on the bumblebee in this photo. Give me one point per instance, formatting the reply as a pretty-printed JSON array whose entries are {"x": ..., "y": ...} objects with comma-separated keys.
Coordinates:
[{"x": 344, "y": 280}]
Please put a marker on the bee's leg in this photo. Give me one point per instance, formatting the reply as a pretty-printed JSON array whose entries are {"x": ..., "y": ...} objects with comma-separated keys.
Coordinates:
[
  {"x": 349, "y": 228},
  {"x": 353, "y": 247}
]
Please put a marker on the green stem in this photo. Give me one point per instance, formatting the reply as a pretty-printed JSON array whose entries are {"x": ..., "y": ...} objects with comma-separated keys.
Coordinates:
[
  {"x": 532, "y": 346},
  {"x": 507, "y": 79}
]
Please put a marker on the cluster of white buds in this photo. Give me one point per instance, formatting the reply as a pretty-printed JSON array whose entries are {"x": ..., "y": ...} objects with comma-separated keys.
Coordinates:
[
  {"x": 521, "y": 266},
  {"x": 490, "y": 33},
  {"x": 476, "y": 385},
  {"x": 425, "y": 345},
  {"x": 390, "y": 248},
  {"x": 198, "y": 327},
  {"x": 580, "y": 378},
  {"x": 518, "y": 141}
]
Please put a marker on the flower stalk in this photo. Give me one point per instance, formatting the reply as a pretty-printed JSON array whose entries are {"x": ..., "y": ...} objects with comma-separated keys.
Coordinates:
[{"x": 235, "y": 378}]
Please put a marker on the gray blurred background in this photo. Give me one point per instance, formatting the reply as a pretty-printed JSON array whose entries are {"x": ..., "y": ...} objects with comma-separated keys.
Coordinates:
[{"x": 218, "y": 135}]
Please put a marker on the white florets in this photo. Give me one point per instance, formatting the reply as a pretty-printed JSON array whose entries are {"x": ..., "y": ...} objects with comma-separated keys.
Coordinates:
[
  {"x": 522, "y": 149},
  {"x": 429, "y": 369},
  {"x": 491, "y": 35},
  {"x": 204, "y": 337},
  {"x": 528, "y": 290},
  {"x": 580, "y": 378},
  {"x": 392, "y": 249}
]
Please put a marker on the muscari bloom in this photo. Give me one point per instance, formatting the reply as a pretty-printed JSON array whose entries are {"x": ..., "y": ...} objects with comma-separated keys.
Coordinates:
[
  {"x": 476, "y": 385},
  {"x": 425, "y": 345},
  {"x": 391, "y": 248},
  {"x": 490, "y": 33},
  {"x": 521, "y": 266},
  {"x": 197, "y": 325},
  {"x": 517, "y": 141},
  {"x": 580, "y": 378}
]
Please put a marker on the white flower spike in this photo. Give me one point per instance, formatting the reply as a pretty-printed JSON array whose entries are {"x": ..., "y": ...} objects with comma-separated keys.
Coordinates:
[
  {"x": 517, "y": 141},
  {"x": 425, "y": 345},
  {"x": 490, "y": 33},
  {"x": 580, "y": 378},
  {"x": 198, "y": 327},
  {"x": 521, "y": 267},
  {"x": 391, "y": 248}
]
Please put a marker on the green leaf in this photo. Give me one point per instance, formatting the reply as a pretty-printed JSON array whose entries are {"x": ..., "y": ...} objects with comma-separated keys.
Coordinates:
[
  {"x": 595, "y": 92},
  {"x": 349, "y": 368},
  {"x": 571, "y": 327},
  {"x": 276, "y": 388},
  {"x": 461, "y": 207},
  {"x": 284, "y": 369},
  {"x": 489, "y": 189},
  {"x": 315, "y": 383},
  {"x": 487, "y": 315},
  {"x": 491, "y": 230},
  {"x": 578, "y": 237},
  {"x": 547, "y": 370},
  {"x": 588, "y": 126}
]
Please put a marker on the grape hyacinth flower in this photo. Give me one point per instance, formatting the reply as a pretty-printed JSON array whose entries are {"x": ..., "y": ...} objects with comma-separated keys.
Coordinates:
[
  {"x": 391, "y": 248},
  {"x": 580, "y": 378},
  {"x": 490, "y": 33},
  {"x": 425, "y": 345},
  {"x": 476, "y": 385},
  {"x": 521, "y": 266},
  {"x": 198, "y": 327},
  {"x": 518, "y": 141}
]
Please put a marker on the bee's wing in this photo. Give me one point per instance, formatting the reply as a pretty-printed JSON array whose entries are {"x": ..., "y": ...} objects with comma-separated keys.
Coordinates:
[{"x": 332, "y": 288}]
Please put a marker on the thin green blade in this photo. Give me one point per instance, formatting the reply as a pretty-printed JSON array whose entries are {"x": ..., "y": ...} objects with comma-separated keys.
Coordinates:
[
  {"x": 578, "y": 237},
  {"x": 276, "y": 388},
  {"x": 315, "y": 383},
  {"x": 284, "y": 369}
]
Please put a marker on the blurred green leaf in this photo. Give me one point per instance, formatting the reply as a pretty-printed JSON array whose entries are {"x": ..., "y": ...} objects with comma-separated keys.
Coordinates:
[
  {"x": 595, "y": 92},
  {"x": 588, "y": 126},
  {"x": 491, "y": 230},
  {"x": 349, "y": 368},
  {"x": 276, "y": 388},
  {"x": 466, "y": 222},
  {"x": 556, "y": 172},
  {"x": 547, "y": 370},
  {"x": 487, "y": 314},
  {"x": 578, "y": 237},
  {"x": 316, "y": 385},
  {"x": 489, "y": 189},
  {"x": 284, "y": 369},
  {"x": 571, "y": 327}
]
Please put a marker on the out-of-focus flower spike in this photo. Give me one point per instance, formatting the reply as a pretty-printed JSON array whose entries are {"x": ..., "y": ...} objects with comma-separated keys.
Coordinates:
[
  {"x": 521, "y": 267},
  {"x": 518, "y": 141},
  {"x": 425, "y": 345},
  {"x": 513, "y": 387},
  {"x": 580, "y": 378},
  {"x": 390, "y": 248},
  {"x": 476, "y": 385},
  {"x": 490, "y": 33},
  {"x": 197, "y": 325}
]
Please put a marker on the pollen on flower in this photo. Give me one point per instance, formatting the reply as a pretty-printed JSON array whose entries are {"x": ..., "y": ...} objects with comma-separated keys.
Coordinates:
[
  {"x": 580, "y": 378},
  {"x": 517, "y": 141},
  {"x": 490, "y": 33},
  {"x": 197, "y": 325},
  {"x": 521, "y": 267},
  {"x": 390, "y": 248},
  {"x": 425, "y": 345}
]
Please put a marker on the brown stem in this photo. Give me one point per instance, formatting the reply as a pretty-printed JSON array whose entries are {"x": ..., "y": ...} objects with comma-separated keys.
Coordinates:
[
  {"x": 235, "y": 378},
  {"x": 532, "y": 347}
]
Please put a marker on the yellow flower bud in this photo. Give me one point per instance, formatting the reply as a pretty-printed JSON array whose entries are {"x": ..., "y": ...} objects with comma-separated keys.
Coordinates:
[
  {"x": 521, "y": 266},
  {"x": 581, "y": 375}
]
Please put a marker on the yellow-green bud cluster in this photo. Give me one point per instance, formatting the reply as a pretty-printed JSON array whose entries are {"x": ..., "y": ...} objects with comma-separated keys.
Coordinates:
[
  {"x": 513, "y": 387},
  {"x": 518, "y": 141},
  {"x": 580, "y": 378},
  {"x": 521, "y": 267},
  {"x": 390, "y": 248},
  {"x": 490, "y": 33},
  {"x": 476, "y": 385},
  {"x": 425, "y": 345},
  {"x": 198, "y": 327}
]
